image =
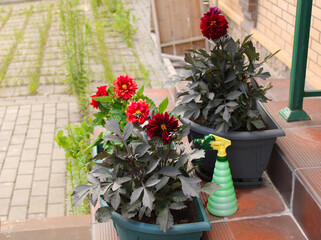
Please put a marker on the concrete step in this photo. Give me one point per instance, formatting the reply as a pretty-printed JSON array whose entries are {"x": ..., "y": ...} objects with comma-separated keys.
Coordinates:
[{"x": 62, "y": 228}]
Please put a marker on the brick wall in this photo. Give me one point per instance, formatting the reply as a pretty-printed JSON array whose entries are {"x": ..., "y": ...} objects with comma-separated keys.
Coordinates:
[{"x": 275, "y": 21}]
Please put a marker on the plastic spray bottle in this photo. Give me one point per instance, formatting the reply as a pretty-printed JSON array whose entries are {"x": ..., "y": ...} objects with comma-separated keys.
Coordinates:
[{"x": 223, "y": 202}]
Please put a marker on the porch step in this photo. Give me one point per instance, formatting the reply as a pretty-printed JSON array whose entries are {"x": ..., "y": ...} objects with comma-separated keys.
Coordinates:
[
  {"x": 58, "y": 228},
  {"x": 295, "y": 166}
]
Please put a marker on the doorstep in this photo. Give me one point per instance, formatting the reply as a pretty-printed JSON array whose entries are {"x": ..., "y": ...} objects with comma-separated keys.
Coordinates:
[{"x": 295, "y": 166}]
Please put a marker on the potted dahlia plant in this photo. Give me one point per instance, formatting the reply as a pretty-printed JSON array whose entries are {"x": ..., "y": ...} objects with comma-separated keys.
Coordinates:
[
  {"x": 143, "y": 182},
  {"x": 223, "y": 97}
]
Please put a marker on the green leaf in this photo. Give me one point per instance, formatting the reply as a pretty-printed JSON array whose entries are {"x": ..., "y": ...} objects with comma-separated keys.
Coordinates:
[
  {"x": 162, "y": 183},
  {"x": 210, "y": 188},
  {"x": 112, "y": 138},
  {"x": 103, "y": 99},
  {"x": 113, "y": 126},
  {"x": 189, "y": 186},
  {"x": 162, "y": 107},
  {"x": 165, "y": 219},
  {"x": 152, "y": 181},
  {"x": 170, "y": 171},
  {"x": 136, "y": 194},
  {"x": 152, "y": 166},
  {"x": 128, "y": 129},
  {"x": 148, "y": 199},
  {"x": 233, "y": 95},
  {"x": 188, "y": 58},
  {"x": 103, "y": 214},
  {"x": 140, "y": 91},
  {"x": 177, "y": 206},
  {"x": 258, "y": 124}
]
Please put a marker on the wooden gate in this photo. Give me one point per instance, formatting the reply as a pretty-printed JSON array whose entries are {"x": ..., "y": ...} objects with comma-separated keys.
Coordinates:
[{"x": 177, "y": 25}]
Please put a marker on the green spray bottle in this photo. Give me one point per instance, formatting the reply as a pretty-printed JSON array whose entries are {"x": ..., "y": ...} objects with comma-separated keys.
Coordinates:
[{"x": 223, "y": 202}]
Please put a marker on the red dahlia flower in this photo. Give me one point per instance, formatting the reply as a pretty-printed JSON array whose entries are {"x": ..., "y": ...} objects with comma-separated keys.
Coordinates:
[
  {"x": 213, "y": 25},
  {"x": 137, "y": 111},
  {"x": 102, "y": 91},
  {"x": 162, "y": 125},
  {"x": 125, "y": 87}
]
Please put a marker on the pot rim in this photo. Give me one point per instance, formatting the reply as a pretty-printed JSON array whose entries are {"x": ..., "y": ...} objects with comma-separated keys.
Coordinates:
[
  {"x": 202, "y": 225},
  {"x": 274, "y": 132}
]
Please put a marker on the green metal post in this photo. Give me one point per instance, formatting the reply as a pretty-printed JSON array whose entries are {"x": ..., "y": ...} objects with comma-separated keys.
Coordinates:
[{"x": 294, "y": 111}]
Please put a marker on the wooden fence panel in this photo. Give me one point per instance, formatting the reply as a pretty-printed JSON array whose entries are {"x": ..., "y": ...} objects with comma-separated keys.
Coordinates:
[{"x": 177, "y": 24}]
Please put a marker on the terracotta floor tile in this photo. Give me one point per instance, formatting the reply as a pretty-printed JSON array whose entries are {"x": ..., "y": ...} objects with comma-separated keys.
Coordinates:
[
  {"x": 220, "y": 231},
  {"x": 253, "y": 202},
  {"x": 269, "y": 228},
  {"x": 302, "y": 146},
  {"x": 312, "y": 106}
]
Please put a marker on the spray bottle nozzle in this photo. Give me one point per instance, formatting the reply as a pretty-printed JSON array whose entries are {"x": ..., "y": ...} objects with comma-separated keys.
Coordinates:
[{"x": 213, "y": 142}]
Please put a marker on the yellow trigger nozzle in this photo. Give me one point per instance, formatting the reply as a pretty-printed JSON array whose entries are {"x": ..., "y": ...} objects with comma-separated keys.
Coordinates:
[{"x": 220, "y": 144}]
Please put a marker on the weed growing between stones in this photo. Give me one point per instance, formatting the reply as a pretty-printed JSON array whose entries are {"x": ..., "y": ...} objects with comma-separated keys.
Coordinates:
[
  {"x": 18, "y": 36},
  {"x": 43, "y": 34},
  {"x": 4, "y": 20},
  {"x": 75, "y": 143},
  {"x": 75, "y": 49},
  {"x": 101, "y": 48}
]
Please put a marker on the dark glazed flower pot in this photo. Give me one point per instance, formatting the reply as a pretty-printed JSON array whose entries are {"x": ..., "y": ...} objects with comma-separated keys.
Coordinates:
[
  {"x": 129, "y": 230},
  {"x": 248, "y": 155}
]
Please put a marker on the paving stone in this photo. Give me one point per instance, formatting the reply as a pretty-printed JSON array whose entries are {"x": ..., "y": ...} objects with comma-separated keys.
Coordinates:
[
  {"x": 36, "y": 115},
  {"x": 36, "y": 215},
  {"x": 20, "y": 129},
  {"x": 6, "y": 190},
  {"x": 10, "y": 117},
  {"x": 2, "y": 156},
  {"x": 26, "y": 168},
  {"x": 39, "y": 188},
  {"x": 11, "y": 162},
  {"x": 4, "y": 206},
  {"x": 41, "y": 173},
  {"x": 4, "y": 144},
  {"x": 22, "y": 120},
  {"x": 23, "y": 182},
  {"x": 58, "y": 154},
  {"x": 35, "y": 123},
  {"x": 20, "y": 197},
  {"x": 24, "y": 111},
  {"x": 49, "y": 110},
  {"x": 37, "y": 108},
  {"x": 18, "y": 213},
  {"x": 48, "y": 128},
  {"x": 45, "y": 148},
  {"x": 49, "y": 119},
  {"x": 28, "y": 155},
  {"x": 31, "y": 143},
  {"x": 4, "y": 135},
  {"x": 8, "y": 175},
  {"x": 14, "y": 150},
  {"x": 57, "y": 180},
  {"x": 62, "y": 123},
  {"x": 56, "y": 195},
  {"x": 43, "y": 160},
  {"x": 47, "y": 138},
  {"x": 33, "y": 133},
  {"x": 8, "y": 125},
  {"x": 18, "y": 139},
  {"x": 37, "y": 204},
  {"x": 55, "y": 210},
  {"x": 58, "y": 166}
]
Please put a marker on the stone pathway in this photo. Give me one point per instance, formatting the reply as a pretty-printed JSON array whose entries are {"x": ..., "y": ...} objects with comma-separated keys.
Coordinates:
[{"x": 32, "y": 167}]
